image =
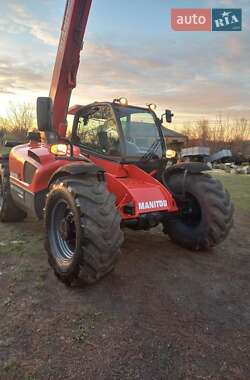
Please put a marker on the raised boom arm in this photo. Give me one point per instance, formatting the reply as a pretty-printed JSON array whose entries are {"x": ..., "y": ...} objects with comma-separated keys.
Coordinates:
[{"x": 67, "y": 60}]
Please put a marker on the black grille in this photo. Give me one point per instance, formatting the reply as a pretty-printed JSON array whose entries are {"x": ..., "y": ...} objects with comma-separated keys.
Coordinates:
[{"x": 29, "y": 171}]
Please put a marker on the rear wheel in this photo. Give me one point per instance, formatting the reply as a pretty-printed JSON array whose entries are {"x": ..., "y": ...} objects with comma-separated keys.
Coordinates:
[
  {"x": 206, "y": 211},
  {"x": 9, "y": 212},
  {"x": 83, "y": 235}
]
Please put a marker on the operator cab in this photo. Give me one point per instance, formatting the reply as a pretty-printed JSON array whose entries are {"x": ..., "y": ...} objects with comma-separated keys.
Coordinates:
[{"x": 120, "y": 132}]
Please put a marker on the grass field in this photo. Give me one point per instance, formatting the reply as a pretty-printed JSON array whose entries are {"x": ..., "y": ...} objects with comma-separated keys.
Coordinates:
[{"x": 239, "y": 188}]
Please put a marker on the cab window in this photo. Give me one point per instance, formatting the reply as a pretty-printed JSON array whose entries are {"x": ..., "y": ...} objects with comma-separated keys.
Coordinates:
[
  {"x": 140, "y": 131},
  {"x": 97, "y": 130}
]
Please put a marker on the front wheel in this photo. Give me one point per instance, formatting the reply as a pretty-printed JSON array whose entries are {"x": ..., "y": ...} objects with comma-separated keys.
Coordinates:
[
  {"x": 206, "y": 211},
  {"x": 83, "y": 235}
]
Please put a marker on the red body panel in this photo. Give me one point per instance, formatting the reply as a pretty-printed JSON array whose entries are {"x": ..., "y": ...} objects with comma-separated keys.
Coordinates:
[
  {"x": 40, "y": 157},
  {"x": 129, "y": 184}
]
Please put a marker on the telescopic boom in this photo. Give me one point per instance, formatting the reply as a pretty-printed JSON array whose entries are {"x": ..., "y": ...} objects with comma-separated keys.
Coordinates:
[{"x": 67, "y": 60}]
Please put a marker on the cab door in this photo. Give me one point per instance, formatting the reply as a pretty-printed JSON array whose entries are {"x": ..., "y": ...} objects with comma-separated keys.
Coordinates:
[{"x": 97, "y": 133}]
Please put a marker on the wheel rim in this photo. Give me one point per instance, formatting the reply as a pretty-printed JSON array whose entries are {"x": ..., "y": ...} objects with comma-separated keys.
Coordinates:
[
  {"x": 191, "y": 213},
  {"x": 63, "y": 232}
]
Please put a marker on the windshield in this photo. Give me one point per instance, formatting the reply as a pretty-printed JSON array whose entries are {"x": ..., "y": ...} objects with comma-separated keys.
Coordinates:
[{"x": 140, "y": 132}]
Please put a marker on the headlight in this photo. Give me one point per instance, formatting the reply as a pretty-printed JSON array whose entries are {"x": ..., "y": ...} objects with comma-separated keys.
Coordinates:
[
  {"x": 170, "y": 153},
  {"x": 59, "y": 149}
]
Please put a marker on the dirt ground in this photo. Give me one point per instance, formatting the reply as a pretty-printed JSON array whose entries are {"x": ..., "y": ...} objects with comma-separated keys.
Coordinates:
[{"x": 165, "y": 313}]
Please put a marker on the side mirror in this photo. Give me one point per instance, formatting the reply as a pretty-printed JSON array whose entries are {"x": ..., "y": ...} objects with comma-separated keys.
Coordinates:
[
  {"x": 169, "y": 116},
  {"x": 44, "y": 109}
]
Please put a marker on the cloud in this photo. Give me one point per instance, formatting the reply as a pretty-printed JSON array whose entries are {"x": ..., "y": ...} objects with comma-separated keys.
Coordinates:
[
  {"x": 187, "y": 80},
  {"x": 19, "y": 20},
  {"x": 15, "y": 76},
  {"x": 194, "y": 74}
]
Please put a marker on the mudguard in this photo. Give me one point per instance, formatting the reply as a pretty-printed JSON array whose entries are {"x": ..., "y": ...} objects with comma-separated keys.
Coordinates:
[
  {"x": 188, "y": 167},
  {"x": 77, "y": 169}
]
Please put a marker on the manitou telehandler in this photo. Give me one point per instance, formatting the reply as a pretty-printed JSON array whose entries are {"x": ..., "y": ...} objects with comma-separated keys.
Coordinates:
[{"x": 111, "y": 174}]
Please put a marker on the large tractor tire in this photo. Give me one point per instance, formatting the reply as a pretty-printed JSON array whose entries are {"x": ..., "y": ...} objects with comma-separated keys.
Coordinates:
[
  {"x": 206, "y": 211},
  {"x": 83, "y": 235},
  {"x": 9, "y": 212}
]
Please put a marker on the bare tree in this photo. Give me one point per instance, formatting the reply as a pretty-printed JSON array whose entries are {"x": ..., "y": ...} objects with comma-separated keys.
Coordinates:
[
  {"x": 20, "y": 119},
  {"x": 223, "y": 133}
]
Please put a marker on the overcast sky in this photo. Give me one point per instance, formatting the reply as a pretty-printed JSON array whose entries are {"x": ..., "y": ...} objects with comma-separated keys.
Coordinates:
[{"x": 130, "y": 50}]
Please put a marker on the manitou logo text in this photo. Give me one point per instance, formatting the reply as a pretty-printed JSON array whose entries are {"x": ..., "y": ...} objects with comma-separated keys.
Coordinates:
[{"x": 152, "y": 204}]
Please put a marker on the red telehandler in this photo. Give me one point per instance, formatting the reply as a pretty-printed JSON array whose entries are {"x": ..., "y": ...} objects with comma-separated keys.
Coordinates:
[{"x": 112, "y": 173}]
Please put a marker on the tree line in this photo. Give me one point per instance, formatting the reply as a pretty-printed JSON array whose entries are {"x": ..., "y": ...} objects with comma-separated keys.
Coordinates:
[{"x": 221, "y": 134}]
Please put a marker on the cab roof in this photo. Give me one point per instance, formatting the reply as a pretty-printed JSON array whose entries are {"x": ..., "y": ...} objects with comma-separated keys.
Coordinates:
[{"x": 74, "y": 109}]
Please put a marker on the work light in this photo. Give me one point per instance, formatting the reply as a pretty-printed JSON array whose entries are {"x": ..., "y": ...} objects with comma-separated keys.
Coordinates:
[
  {"x": 171, "y": 153},
  {"x": 122, "y": 101},
  {"x": 152, "y": 106}
]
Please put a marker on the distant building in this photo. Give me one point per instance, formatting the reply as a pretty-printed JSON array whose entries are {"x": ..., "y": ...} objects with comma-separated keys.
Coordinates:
[{"x": 174, "y": 140}]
